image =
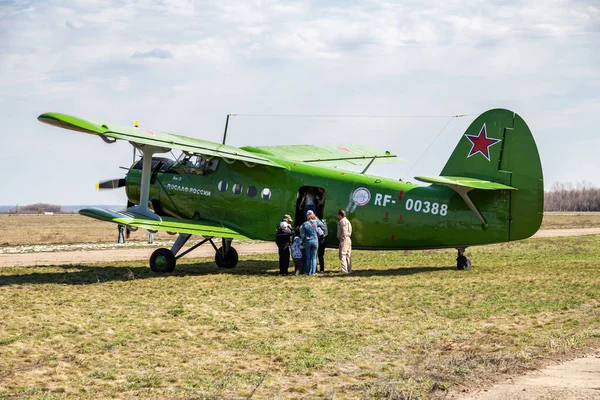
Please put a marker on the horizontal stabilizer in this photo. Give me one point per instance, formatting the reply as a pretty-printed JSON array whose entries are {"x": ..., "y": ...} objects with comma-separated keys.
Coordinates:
[
  {"x": 168, "y": 224},
  {"x": 463, "y": 186},
  {"x": 458, "y": 181}
]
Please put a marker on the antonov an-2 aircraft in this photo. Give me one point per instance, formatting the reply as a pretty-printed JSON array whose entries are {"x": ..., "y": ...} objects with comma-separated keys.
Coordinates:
[{"x": 491, "y": 190}]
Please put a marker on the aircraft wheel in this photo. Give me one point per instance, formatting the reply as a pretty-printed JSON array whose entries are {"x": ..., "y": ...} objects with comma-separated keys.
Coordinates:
[
  {"x": 463, "y": 263},
  {"x": 162, "y": 261},
  {"x": 230, "y": 259}
]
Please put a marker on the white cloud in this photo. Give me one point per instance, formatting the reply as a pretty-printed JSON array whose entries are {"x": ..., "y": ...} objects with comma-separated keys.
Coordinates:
[
  {"x": 74, "y": 24},
  {"x": 122, "y": 84},
  {"x": 197, "y": 61},
  {"x": 154, "y": 53}
]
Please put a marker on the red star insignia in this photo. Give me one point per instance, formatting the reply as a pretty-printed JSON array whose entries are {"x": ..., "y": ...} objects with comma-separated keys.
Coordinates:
[
  {"x": 481, "y": 143},
  {"x": 344, "y": 149}
]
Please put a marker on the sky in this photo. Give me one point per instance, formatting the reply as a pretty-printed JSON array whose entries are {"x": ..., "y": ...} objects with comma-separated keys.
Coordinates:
[{"x": 182, "y": 66}]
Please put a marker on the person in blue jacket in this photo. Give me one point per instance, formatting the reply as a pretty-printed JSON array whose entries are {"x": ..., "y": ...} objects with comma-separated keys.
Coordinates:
[{"x": 310, "y": 232}]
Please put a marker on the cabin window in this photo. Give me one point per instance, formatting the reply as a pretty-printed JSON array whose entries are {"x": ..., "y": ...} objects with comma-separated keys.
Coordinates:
[{"x": 237, "y": 188}]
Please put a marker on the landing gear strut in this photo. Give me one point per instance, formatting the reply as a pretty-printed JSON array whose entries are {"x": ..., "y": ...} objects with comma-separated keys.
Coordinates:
[
  {"x": 226, "y": 256},
  {"x": 164, "y": 260},
  {"x": 463, "y": 263}
]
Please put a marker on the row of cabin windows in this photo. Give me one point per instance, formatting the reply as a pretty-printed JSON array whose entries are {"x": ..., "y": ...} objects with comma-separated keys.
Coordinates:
[{"x": 252, "y": 191}]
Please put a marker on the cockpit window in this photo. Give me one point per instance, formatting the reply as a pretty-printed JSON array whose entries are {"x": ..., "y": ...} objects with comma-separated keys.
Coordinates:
[
  {"x": 164, "y": 164},
  {"x": 185, "y": 164},
  {"x": 195, "y": 164}
]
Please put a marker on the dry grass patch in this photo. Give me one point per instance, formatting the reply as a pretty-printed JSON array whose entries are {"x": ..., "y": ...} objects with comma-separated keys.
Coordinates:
[
  {"x": 27, "y": 230},
  {"x": 570, "y": 220},
  {"x": 405, "y": 325}
]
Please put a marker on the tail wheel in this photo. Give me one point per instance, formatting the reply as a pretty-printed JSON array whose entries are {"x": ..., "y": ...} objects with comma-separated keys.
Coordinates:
[
  {"x": 229, "y": 260},
  {"x": 162, "y": 261},
  {"x": 463, "y": 263}
]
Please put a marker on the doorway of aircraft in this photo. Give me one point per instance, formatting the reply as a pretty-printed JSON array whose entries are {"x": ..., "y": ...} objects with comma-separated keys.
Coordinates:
[{"x": 309, "y": 198}]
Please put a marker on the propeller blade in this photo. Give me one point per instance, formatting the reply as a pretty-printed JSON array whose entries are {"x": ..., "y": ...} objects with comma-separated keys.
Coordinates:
[{"x": 111, "y": 184}]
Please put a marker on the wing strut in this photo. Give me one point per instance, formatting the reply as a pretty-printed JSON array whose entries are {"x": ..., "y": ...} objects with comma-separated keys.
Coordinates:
[
  {"x": 368, "y": 165},
  {"x": 142, "y": 208}
]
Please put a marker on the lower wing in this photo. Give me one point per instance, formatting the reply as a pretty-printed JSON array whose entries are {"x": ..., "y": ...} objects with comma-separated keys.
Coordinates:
[{"x": 168, "y": 224}]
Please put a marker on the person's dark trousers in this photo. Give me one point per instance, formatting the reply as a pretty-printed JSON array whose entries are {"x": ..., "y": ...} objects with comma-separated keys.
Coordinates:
[
  {"x": 321, "y": 255},
  {"x": 284, "y": 260}
]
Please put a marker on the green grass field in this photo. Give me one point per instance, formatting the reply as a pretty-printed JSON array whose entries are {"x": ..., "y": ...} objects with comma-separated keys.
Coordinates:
[{"x": 404, "y": 325}]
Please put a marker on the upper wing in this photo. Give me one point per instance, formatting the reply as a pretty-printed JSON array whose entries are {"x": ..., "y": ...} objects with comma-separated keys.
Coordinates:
[
  {"x": 186, "y": 226},
  {"x": 471, "y": 183},
  {"x": 155, "y": 138},
  {"x": 327, "y": 155}
]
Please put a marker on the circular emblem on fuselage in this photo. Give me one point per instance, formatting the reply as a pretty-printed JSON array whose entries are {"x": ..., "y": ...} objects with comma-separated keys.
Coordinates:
[{"x": 361, "y": 196}]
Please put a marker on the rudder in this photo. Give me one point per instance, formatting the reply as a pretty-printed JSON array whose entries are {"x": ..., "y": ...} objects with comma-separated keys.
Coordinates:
[{"x": 499, "y": 147}]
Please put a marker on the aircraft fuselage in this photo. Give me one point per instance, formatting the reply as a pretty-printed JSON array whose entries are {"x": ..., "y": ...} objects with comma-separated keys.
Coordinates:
[{"x": 386, "y": 214}]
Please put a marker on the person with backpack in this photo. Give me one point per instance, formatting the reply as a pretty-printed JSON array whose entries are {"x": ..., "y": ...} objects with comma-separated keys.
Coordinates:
[
  {"x": 321, "y": 250},
  {"x": 283, "y": 239},
  {"x": 309, "y": 233}
]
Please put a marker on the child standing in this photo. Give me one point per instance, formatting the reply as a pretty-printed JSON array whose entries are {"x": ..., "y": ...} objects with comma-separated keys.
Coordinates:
[{"x": 297, "y": 255}]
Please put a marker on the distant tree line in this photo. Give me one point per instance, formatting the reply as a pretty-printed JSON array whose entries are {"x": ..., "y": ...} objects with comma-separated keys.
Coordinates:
[
  {"x": 39, "y": 208},
  {"x": 582, "y": 196}
]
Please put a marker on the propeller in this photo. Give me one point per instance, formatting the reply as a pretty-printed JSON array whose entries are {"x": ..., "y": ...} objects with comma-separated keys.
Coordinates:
[{"x": 110, "y": 184}]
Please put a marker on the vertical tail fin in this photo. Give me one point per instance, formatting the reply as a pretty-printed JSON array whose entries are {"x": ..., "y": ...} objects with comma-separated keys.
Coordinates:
[{"x": 499, "y": 147}]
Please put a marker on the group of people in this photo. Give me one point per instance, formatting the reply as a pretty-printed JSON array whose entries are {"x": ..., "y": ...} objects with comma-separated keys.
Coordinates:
[{"x": 307, "y": 242}]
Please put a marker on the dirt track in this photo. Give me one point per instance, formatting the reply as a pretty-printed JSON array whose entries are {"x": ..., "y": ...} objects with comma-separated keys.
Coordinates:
[
  {"x": 577, "y": 379},
  {"x": 546, "y": 233},
  {"x": 127, "y": 254},
  {"x": 91, "y": 256}
]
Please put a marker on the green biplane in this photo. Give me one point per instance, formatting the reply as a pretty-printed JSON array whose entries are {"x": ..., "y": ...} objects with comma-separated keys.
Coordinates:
[{"x": 491, "y": 190}]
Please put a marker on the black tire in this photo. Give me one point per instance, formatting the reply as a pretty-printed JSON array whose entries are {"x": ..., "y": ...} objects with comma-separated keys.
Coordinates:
[
  {"x": 228, "y": 261},
  {"x": 463, "y": 263},
  {"x": 162, "y": 261}
]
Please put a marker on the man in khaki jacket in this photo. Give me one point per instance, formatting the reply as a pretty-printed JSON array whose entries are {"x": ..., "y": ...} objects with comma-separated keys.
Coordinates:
[{"x": 344, "y": 231}]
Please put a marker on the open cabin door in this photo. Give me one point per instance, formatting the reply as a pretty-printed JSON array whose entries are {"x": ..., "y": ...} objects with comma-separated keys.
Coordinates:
[{"x": 309, "y": 198}]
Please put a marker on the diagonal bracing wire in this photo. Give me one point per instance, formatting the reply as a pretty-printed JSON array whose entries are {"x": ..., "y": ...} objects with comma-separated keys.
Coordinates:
[
  {"x": 346, "y": 116},
  {"x": 433, "y": 141},
  {"x": 450, "y": 118}
]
